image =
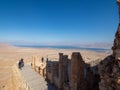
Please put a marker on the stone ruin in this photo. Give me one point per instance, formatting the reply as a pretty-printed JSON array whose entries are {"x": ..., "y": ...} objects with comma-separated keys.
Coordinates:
[
  {"x": 109, "y": 68},
  {"x": 75, "y": 74},
  {"x": 39, "y": 65},
  {"x": 68, "y": 74}
]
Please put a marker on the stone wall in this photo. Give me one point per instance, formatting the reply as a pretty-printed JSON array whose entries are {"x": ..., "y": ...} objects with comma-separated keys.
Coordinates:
[
  {"x": 77, "y": 80},
  {"x": 39, "y": 65},
  {"x": 71, "y": 74}
]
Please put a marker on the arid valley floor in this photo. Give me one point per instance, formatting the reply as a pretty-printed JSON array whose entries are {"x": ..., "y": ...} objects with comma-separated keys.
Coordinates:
[{"x": 9, "y": 55}]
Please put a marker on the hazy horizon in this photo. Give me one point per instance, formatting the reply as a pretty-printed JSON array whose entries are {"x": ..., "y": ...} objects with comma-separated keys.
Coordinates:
[
  {"x": 62, "y": 22},
  {"x": 89, "y": 45}
]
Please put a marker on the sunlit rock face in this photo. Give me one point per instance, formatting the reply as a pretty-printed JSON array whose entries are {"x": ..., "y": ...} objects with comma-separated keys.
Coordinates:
[
  {"x": 118, "y": 1},
  {"x": 116, "y": 46},
  {"x": 109, "y": 68}
]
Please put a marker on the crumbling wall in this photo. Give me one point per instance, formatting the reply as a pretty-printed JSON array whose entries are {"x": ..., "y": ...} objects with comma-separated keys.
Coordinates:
[
  {"x": 71, "y": 74},
  {"x": 39, "y": 65}
]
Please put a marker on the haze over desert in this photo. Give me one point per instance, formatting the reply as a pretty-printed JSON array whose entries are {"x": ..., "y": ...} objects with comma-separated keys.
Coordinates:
[{"x": 9, "y": 55}]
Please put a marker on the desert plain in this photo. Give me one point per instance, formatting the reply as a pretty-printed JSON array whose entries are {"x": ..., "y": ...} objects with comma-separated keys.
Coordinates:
[{"x": 9, "y": 55}]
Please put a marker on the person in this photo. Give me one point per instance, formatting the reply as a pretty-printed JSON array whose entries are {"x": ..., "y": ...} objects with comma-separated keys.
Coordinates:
[
  {"x": 22, "y": 63},
  {"x": 19, "y": 64},
  {"x": 42, "y": 59},
  {"x": 31, "y": 64},
  {"x": 47, "y": 60}
]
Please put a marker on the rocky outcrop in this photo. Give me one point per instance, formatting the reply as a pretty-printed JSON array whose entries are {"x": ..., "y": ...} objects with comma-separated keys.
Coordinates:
[
  {"x": 109, "y": 68},
  {"x": 116, "y": 46},
  {"x": 109, "y": 71}
]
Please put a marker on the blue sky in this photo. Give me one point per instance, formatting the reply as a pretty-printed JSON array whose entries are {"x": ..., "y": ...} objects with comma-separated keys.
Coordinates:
[{"x": 59, "y": 22}]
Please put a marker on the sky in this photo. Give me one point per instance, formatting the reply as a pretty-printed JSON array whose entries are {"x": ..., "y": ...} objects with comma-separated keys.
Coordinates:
[{"x": 58, "y": 22}]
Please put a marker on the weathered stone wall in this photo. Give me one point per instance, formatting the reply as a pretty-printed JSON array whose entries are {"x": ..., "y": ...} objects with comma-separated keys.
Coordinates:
[
  {"x": 77, "y": 72},
  {"x": 63, "y": 77},
  {"x": 39, "y": 65},
  {"x": 71, "y": 74},
  {"x": 52, "y": 72}
]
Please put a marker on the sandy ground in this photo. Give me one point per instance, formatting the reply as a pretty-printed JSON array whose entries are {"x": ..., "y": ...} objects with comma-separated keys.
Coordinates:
[{"x": 9, "y": 55}]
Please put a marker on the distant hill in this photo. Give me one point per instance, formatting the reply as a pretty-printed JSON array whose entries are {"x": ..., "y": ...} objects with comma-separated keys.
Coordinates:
[
  {"x": 97, "y": 45},
  {"x": 6, "y": 45}
]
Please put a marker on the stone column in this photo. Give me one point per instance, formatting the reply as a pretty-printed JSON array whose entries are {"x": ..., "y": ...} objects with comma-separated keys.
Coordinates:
[
  {"x": 65, "y": 68},
  {"x": 44, "y": 72},
  {"x": 33, "y": 62},
  {"x": 60, "y": 71},
  {"x": 37, "y": 59},
  {"x": 77, "y": 72},
  {"x": 52, "y": 73}
]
